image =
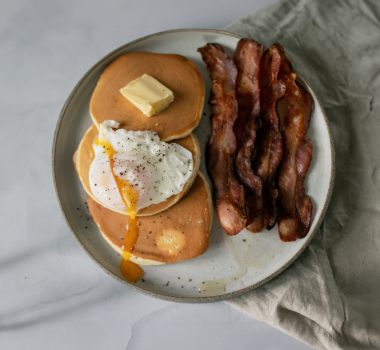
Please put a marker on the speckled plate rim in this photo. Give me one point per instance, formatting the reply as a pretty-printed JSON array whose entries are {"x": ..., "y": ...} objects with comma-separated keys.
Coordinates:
[{"x": 205, "y": 299}]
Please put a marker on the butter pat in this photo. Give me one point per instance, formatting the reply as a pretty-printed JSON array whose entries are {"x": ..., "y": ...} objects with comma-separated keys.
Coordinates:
[{"x": 148, "y": 95}]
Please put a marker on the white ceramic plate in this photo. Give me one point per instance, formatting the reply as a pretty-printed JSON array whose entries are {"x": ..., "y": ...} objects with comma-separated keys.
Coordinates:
[{"x": 240, "y": 263}]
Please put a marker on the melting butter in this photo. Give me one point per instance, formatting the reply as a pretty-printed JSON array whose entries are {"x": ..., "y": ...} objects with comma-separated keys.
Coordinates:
[{"x": 148, "y": 95}]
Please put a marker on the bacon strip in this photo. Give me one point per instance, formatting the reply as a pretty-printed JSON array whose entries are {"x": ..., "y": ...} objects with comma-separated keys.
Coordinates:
[
  {"x": 228, "y": 193},
  {"x": 294, "y": 206},
  {"x": 269, "y": 140},
  {"x": 247, "y": 58}
]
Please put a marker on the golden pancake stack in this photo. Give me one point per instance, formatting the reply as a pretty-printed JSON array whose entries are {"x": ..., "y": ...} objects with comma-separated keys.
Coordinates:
[{"x": 178, "y": 228}]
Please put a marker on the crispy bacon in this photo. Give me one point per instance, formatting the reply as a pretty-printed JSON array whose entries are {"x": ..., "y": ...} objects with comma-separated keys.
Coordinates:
[
  {"x": 228, "y": 193},
  {"x": 247, "y": 58},
  {"x": 294, "y": 206},
  {"x": 269, "y": 141}
]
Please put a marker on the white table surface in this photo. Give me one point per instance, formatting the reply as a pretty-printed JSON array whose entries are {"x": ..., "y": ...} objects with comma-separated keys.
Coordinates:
[{"x": 52, "y": 296}]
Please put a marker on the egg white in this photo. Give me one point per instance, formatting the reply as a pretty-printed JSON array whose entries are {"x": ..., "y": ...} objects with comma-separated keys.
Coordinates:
[{"x": 158, "y": 170}]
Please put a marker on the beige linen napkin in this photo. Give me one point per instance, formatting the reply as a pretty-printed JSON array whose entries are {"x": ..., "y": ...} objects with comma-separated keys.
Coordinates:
[{"x": 330, "y": 297}]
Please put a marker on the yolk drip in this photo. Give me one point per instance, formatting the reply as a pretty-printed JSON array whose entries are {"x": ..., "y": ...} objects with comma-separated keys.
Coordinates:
[{"x": 130, "y": 271}]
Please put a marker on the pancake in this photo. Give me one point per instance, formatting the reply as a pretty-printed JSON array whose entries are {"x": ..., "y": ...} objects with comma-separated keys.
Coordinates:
[
  {"x": 83, "y": 158},
  {"x": 176, "y": 72},
  {"x": 178, "y": 233}
]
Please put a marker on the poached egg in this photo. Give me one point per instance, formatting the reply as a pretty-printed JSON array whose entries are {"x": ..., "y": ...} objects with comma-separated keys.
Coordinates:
[{"x": 132, "y": 170}]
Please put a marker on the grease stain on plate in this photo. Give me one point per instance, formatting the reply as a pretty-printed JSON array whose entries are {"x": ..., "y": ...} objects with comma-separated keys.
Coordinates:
[{"x": 248, "y": 251}]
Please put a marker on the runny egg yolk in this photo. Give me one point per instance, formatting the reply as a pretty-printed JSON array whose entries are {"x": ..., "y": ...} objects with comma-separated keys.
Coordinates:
[{"x": 130, "y": 271}]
